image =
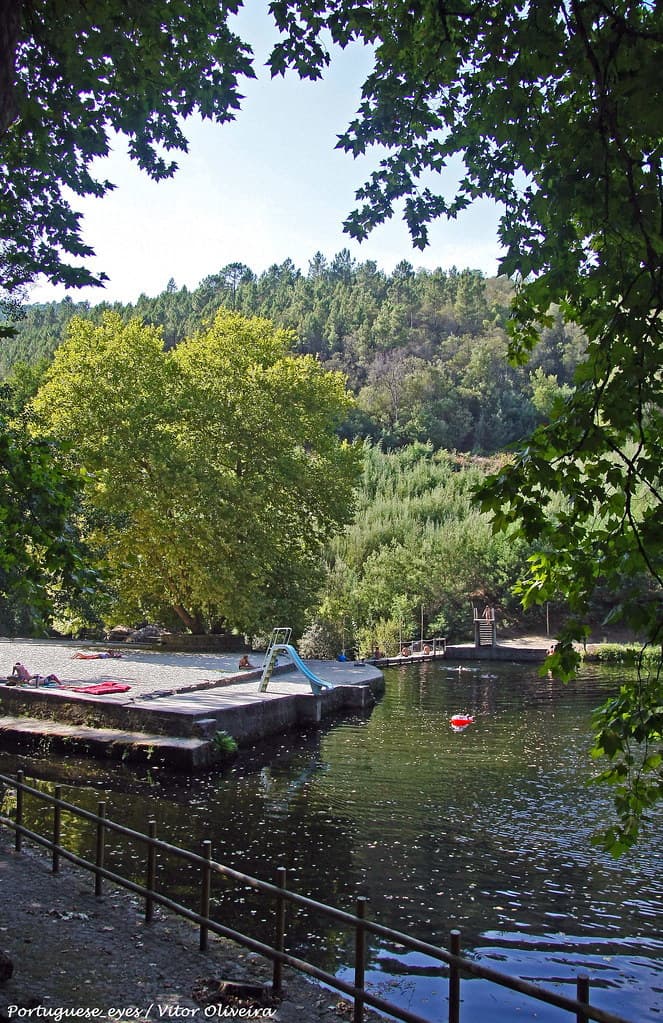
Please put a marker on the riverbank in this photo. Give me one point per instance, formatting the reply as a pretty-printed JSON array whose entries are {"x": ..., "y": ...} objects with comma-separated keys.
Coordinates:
[
  {"x": 71, "y": 950},
  {"x": 439, "y": 829},
  {"x": 175, "y": 710}
]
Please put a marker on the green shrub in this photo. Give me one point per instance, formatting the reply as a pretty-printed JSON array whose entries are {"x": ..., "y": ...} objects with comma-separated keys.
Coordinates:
[
  {"x": 224, "y": 743},
  {"x": 623, "y": 653},
  {"x": 321, "y": 640}
]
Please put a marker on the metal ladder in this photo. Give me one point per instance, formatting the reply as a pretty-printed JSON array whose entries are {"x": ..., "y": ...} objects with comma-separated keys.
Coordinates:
[
  {"x": 485, "y": 633},
  {"x": 280, "y": 637}
]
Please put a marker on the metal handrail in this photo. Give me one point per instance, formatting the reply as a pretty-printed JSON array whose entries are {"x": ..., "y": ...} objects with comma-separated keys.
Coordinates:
[{"x": 456, "y": 963}]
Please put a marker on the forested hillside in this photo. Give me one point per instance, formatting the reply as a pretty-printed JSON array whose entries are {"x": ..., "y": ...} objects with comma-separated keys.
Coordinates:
[
  {"x": 424, "y": 354},
  {"x": 424, "y": 351}
]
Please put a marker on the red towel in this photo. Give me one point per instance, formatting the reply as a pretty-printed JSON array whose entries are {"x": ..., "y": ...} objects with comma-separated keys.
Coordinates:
[{"x": 102, "y": 689}]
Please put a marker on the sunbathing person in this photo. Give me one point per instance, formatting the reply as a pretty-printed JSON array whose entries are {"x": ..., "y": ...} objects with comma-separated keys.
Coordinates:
[
  {"x": 21, "y": 676},
  {"x": 101, "y": 656},
  {"x": 21, "y": 673}
]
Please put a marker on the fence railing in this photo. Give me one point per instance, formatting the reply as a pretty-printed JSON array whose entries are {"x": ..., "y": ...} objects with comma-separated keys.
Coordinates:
[{"x": 457, "y": 965}]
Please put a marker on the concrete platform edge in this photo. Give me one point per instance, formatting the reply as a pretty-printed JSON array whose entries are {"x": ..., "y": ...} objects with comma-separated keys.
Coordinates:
[{"x": 176, "y": 731}]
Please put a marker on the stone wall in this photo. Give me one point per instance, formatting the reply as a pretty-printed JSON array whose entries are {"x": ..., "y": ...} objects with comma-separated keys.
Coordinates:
[{"x": 222, "y": 643}]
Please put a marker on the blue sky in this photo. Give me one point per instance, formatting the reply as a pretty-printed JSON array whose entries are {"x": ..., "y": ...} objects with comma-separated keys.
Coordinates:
[{"x": 267, "y": 187}]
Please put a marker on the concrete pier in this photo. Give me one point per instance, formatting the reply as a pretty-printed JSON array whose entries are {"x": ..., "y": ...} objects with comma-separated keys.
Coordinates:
[
  {"x": 517, "y": 651},
  {"x": 170, "y": 712}
]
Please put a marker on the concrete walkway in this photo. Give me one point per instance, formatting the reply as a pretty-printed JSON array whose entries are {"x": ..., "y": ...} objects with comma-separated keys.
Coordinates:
[{"x": 154, "y": 673}]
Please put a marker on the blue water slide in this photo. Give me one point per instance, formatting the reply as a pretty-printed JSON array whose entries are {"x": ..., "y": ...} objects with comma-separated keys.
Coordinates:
[{"x": 317, "y": 684}]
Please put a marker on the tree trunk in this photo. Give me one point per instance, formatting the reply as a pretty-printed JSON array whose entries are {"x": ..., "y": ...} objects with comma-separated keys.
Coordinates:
[
  {"x": 193, "y": 622},
  {"x": 10, "y": 20},
  {"x": 184, "y": 616}
]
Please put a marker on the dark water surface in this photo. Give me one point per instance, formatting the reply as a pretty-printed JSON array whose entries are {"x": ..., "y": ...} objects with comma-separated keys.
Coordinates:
[{"x": 487, "y": 830}]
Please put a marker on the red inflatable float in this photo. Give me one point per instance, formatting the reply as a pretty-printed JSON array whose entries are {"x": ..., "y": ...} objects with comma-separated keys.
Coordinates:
[{"x": 461, "y": 720}]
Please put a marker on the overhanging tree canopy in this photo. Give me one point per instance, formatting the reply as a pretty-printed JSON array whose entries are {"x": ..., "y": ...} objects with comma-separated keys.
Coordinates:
[{"x": 72, "y": 73}]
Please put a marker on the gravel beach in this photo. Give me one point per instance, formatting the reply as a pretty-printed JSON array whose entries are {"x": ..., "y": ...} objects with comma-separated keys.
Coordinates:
[{"x": 145, "y": 671}]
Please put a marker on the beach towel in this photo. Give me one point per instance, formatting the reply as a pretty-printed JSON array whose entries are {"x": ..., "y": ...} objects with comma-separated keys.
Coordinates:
[{"x": 101, "y": 689}]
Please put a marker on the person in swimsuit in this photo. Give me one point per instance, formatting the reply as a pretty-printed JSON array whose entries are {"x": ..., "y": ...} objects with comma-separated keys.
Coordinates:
[{"x": 101, "y": 656}]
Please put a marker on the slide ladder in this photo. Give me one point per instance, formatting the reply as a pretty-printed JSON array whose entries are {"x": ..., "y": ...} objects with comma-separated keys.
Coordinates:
[
  {"x": 280, "y": 637},
  {"x": 280, "y": 644},
  {"x": 485, "y": 633}
]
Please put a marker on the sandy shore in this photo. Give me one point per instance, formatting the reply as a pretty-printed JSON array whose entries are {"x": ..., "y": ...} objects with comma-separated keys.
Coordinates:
[{"x": 146, "y": 671}]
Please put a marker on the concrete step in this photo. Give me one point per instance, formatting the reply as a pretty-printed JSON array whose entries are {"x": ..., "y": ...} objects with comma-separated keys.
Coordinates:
[{"x": 41, "y": 735}]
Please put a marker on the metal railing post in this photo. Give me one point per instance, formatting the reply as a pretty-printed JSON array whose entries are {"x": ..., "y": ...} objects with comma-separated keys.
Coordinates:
[
  {"x": 582, "y": 994},
  {"x": 18, "y": 836},
  {"x": 360, "y": 957},
  {"x": 151, "y": 870},
  {"x": 56, "y": 830},
  {"x": 205, "y": 890},
  {"x": 454, "y": 978},
  {"x": 279, "y": 931},
  {"x": 101, "y": 847}
]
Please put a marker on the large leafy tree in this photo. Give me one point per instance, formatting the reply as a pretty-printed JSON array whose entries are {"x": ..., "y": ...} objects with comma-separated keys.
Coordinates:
[
  {"x": 72, "y": 74},
  {"x": 42, "y": 561},
  {"x": 217, "y": 473}
]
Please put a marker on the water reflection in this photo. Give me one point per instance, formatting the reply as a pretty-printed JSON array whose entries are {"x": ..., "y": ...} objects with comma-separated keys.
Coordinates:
[{"x": 487, "y": 829}]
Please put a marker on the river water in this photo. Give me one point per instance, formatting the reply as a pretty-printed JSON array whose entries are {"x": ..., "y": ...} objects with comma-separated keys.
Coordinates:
[{"x": 487, "y": 829}]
